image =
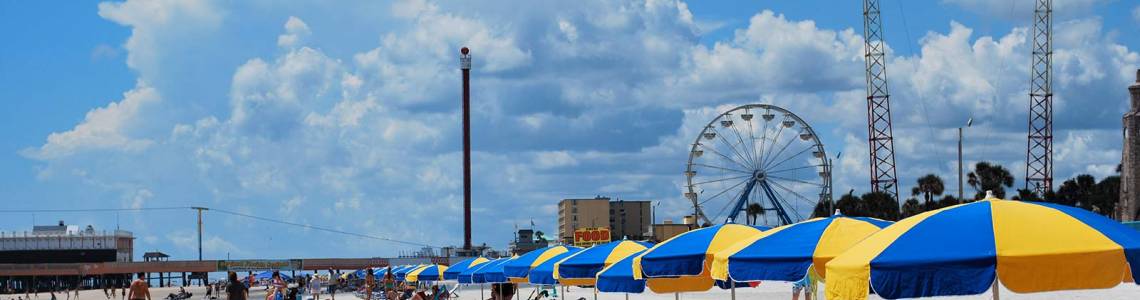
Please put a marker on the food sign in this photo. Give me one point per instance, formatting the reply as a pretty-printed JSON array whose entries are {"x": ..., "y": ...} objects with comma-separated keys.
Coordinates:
[{"x": 585, "y": 237}]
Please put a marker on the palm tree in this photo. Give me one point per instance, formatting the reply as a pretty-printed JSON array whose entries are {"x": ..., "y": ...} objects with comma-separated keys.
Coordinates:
[
  {"x": 754, "y": 210},
  {"x": 989, "y": 177},
  {"x": 929, "y": 186}
]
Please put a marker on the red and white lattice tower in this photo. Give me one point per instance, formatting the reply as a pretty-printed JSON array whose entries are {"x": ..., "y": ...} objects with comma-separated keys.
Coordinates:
[
  {"x": 1039, "y": 150},
  {"x": 879, "y": 134}
]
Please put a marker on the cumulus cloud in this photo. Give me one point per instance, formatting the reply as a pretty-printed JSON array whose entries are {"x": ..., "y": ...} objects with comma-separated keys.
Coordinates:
[
  {"x": 104, "y": 128},
  {"x": 295, "y": 31},
  {"x": 156, "y": 24}
]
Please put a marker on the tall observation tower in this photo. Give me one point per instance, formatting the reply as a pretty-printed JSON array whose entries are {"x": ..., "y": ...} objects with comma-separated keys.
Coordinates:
[
  {"x": 1129, "y": 206},
  {"x": 465, "y": 66}
]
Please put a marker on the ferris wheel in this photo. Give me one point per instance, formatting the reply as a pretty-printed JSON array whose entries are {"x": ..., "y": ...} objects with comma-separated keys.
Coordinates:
[{"x": 757, "y": 154}]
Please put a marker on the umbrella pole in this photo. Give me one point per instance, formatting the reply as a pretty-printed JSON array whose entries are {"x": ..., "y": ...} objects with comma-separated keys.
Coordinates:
[
  {"x": 677, "y": 296},
  {"x": 595, "y": 292},
  {"x": 626, "y": 296},
  {"x": 732, "y": 287},
  {"x": 997, "y": 295},
  {"x": 481, "y": 291}
]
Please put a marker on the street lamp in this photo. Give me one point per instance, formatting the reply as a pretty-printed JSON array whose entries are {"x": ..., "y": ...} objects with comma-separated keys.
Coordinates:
[{"x": 969, "y": 122}]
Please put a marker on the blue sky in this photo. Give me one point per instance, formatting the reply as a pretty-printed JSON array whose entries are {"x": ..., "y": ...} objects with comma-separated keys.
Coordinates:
[{"x": 344, "y": 115}]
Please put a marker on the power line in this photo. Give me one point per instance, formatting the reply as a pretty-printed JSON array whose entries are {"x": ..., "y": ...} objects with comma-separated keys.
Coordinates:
[
  {"x": 233, "y": 213},
  {"x": 319, "y": 228}
]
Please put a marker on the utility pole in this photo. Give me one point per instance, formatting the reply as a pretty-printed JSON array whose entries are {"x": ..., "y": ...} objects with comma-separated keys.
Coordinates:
[
  {"x": 968, "y": 123},
  {"x": 1039, "y": 150},
  {"x": 880, "y": 136},
  {"x": 199, "y": 209}
]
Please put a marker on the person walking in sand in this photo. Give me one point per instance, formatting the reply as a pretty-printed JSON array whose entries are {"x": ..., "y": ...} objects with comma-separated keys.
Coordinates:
[
  {"x": 140, "y": 290},
  {"x": 235, "y": 289}
]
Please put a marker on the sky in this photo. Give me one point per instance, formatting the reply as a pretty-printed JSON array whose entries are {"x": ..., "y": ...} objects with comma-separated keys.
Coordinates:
[{"x": 345, "y": 115}]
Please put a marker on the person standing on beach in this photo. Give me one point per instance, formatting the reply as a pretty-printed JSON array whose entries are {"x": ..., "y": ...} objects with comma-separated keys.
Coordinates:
[
  {"x": 369, "y": 283},
  {"x": 139, "y": 289},
  {"x": 235, "y": 289},
  {"x": 315, "y": 287},
  {"x": 333, "y": 281}
]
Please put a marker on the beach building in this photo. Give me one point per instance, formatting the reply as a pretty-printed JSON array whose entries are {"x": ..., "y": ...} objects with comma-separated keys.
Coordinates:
[
  {"x": 581, "y": 213},
  {"x": 624, "y": 219},
  {"x": 629, "y": 219},
  {"x": 668, "y": 229},
  {"x": 64, "y": 243},
  {"x": 1128, "y": 209}
]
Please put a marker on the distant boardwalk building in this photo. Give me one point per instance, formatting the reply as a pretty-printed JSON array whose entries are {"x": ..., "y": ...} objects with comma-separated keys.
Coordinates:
[
  {"x": 625, "y": 219},
  {"x": 64, "y": 243},
  {"x": 1129, "y": 206}
]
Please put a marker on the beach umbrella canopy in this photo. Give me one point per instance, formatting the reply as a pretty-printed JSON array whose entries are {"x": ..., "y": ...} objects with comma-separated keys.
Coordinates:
[
  {"x": 618, "y": 277},
  {"x": 544, "y": 273},
  {"x": 518, "y": 268},
  {"x": 478, "y": 274},
  {"x": 785, "y": 253},
  {"x": 687, "y": 257},
  {"x": 427, "y": 273},
  {"x": 269, "y": 274},
  {"x": 402, "y": 273},
  {"x": 379, "y": 273},
  {"x": 581, "y": 268},
  {"x": 962, "y": 249},
  {"x": 453, "y": 271},
  {"x": 494, "y": 273}
]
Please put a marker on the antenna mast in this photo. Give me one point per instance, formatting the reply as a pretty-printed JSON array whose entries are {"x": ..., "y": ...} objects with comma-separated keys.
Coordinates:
[
  {"x": 1039, "y": 150},
  {"x": 879, "y": 134}
]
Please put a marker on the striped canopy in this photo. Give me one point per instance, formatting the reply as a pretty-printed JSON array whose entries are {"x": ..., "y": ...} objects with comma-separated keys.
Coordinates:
[
  {"x": 518, "y": 268},
  {"x": 429, "y": 273},
  {"x": 402, "y": 273},
  {"x": 960, "y": 250},
  {"x": 686, "y": 258},
  {"x": 379, "y": 273},
  {"x": 453, "y": 271},
  {"x": 477, "y": 274},
  {"x": 785, "y": 253},
  {"x": 582, "y": 268},
  {"x": 618, "y": 277},
  {"x": 494, "y": 273},
  {"x": 544, "y": 273}
]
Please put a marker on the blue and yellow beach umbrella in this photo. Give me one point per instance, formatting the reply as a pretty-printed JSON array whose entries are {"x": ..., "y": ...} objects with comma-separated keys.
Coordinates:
[
  {"x": 429, "y": 273},
  {"x": 402, "y": 273},
  {"x": 544, "y": 273},
  {"x": 478, "y": 274},
  {"x": 582, "y": 268},
  {"x": 963, "y": 249},
  {"x": 494, "y": 273},
  {"x": 618, "y": 277},
  {"x": 785, "y": 253},
  {"x": 453, "y": 271},
  {"x": 686, "y": 258},
  {"x": 518, "y": 268}
]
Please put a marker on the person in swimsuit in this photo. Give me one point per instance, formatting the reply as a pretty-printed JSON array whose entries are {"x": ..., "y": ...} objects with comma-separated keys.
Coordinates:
[{"x": 139, "y": 289}]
